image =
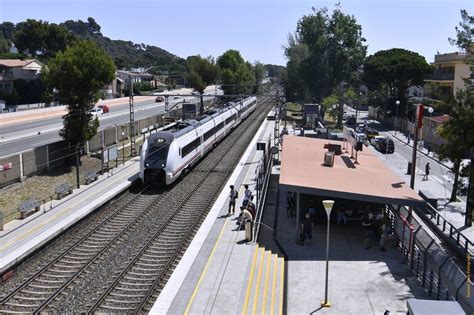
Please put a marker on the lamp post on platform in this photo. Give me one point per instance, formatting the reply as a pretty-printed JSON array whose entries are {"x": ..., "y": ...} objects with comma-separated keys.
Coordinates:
[{"x": 328, "y": 204}]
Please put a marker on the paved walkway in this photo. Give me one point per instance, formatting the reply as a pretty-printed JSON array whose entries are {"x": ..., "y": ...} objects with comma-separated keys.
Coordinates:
[
  {"x": 21, "y": 237},
  {"x": 439, "y": 186},
  {"x": 221, "y": 273}
]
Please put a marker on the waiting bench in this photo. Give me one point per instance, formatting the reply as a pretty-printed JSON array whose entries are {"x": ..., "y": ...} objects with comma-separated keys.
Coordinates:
[
  {"x": 90, "y": 176},
  {"x": 63, "y": 190},
  {"x": 28, "y": 207}
]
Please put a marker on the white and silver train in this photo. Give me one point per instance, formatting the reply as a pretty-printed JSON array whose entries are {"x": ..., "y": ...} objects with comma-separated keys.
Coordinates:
[{"x": 168, "y": 154}]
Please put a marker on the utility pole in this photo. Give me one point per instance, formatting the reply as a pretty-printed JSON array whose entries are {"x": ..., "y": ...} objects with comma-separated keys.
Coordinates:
[
  {"x": 418, "y": 125},
  {"x": 341, "y": 104},
  {"x": 132, "y": 120},
  {"x": 470, "y": 193}
]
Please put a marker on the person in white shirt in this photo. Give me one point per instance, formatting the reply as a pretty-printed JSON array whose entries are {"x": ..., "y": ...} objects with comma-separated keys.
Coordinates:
[{"x": 247, "y": 195}]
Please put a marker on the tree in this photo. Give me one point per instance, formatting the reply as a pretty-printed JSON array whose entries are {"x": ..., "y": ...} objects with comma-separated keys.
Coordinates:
[
  {"x": 258, "y": 70},
  {"x": 237, "y": 75},
  {"x": 458, "y": 131},
  {"x": 201, "y": 73},
  {"x": 38, "y": 36},
  {"x": 78, "y": 74},
  {"x": 393, "y": 71},
  {"x": 328, "y": 50}
]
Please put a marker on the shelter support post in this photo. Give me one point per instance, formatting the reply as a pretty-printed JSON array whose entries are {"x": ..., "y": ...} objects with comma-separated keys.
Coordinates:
[{"x": 297, "y": 217}]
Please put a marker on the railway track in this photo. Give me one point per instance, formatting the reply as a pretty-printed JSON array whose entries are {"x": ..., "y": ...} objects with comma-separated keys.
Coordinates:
[
  {"x": 48, "y": 281},
  {"x": 122, "y": 265}
]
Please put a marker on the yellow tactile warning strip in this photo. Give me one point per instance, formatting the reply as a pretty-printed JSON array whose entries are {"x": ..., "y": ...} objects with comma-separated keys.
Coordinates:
[
  {"x": 265, "y": 266},
  {"x": 203, "y": 274}
]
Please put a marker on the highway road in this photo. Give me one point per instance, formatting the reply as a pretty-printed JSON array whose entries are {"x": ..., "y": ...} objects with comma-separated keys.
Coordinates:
[{"x": 22, "y": 136}]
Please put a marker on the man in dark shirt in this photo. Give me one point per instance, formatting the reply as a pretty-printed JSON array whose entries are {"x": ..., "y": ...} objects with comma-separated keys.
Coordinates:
[{"x": 307, "y": 228}]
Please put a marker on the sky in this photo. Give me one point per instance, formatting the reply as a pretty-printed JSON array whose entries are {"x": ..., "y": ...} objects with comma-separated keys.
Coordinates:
[{"x": 257, "y": 28}]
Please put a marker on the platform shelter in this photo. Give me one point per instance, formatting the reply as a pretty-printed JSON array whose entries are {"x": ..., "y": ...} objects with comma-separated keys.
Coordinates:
[{"x": 368, "y": 181}]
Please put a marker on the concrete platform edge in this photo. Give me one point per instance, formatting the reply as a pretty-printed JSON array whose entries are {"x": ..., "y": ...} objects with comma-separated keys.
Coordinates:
[
  {"x": 13, "y": 259},
  {"x": 163, "y": 303}
]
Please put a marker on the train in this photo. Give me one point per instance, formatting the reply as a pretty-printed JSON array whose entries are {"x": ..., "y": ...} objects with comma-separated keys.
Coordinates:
[{"x": 170, "y": 153}]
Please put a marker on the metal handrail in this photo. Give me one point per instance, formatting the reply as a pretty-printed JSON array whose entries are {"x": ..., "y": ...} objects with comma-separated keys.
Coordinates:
[
  {"x": 261, "y": 204},
  {"x": 448, "y": 230}
]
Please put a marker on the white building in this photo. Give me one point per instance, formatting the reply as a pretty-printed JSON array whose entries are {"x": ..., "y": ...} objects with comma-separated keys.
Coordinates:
[{"x": 28, "y": 69}]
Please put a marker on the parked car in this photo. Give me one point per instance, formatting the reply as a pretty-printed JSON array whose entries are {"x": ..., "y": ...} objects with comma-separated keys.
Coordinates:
[
  {"x": 95, "y": 112},
  {"x": 370, "y": 133},
  {"x": 375, "y": 139},
  {"x": 346, "y": 115},
  {"x": 351, "y": 120},
  {"x": 104, "y": 107},
  {"x": 385, "y": 145},
  {"x": 159, "y": 99}
]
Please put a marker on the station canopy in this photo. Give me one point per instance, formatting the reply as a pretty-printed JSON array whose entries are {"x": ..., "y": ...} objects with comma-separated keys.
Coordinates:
[{"x": 371, "y": 180}]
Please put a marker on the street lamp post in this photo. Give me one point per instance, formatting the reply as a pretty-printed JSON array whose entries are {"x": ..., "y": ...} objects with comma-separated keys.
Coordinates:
[
  {"x": 396, "y": 127},
  {"x": 430, "y": 110},
  {"x": 408, "y": 131},
  {"x": 328, "y": 204}
]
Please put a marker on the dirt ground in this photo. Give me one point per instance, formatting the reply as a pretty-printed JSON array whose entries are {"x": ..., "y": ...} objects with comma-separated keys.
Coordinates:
[{"x": 42, "y": 187}]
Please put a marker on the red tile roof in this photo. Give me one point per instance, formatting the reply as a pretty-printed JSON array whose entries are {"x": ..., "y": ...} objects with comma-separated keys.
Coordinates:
[
  {"x": 15, "y": 62},
  {"x": 439, "y": 119}
]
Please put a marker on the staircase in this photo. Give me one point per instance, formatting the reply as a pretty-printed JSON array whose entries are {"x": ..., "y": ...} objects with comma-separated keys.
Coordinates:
[{"x": 265, "y": 287}]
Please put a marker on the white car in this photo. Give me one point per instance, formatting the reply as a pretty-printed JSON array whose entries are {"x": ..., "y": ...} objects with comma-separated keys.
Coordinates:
[
  {"x": 95, "y": 112},
  {"x": 374, "y": 140}
]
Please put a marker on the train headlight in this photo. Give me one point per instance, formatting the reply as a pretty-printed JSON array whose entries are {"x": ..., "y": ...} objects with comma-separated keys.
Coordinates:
[
  {"x": 162, "y": 165},
  {"x": 147, "y": 164}
]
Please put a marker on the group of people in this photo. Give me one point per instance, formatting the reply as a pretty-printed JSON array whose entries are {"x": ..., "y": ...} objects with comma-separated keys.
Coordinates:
[
  {"x": 377, "y": 229},
  {"x": 247, "y": 209}
]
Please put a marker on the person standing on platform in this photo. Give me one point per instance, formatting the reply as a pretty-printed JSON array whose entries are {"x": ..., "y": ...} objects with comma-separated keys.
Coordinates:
[
  {"x": 247, "y": 195},
  {"x": 307, "y": 229},
  {"x": 341, "y": 215},
  {"x": 427, "y": 171},
  {"x": 369, "y": 231},
  {"x": 232, "y": 198}
]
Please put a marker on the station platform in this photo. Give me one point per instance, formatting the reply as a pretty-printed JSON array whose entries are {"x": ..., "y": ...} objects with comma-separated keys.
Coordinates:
[
  {"x": 20, "y": 238},
  {"x": 221, "y": 272}
]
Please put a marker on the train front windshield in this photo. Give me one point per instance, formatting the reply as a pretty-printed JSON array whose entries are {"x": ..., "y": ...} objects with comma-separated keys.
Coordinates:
[{"x": 158, "y": 150}]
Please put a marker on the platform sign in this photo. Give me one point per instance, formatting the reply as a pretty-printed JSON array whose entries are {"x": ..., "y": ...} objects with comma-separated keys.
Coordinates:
[
  {"x": 113, "y": 153},
  {"x": 105, "y": 156}
]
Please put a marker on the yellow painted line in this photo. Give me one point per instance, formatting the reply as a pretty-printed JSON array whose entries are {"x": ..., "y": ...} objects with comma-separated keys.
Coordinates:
[
  {"x": 274, "y": 281},
  {"x": 39, "y": 226},
  {"x": 259, "y": 278},
  {"x": 203, "y": 274},
  {"x": 282, "y": 277},
  {"x": 267, "y": 277},
  {"x": 249, "y": 284}
]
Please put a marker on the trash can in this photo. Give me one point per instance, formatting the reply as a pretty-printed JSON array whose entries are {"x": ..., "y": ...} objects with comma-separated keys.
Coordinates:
[
  {"x": 409, "y": 168},
  {"x": 248, "y": 230}
]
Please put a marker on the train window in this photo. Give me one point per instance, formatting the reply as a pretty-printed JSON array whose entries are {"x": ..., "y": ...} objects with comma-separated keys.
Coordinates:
[
  {"x": 220, "y": 126},
  {"x": 158, "y": 151},
  {"x": 209, "y": 134},
  {"x": 190, "y": 147}
]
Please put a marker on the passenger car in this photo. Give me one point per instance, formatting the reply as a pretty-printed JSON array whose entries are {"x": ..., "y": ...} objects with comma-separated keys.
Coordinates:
[
  {"x": 385, "y": 145},
  {"x": 104, "y": 107},
  {"x": 96, "y": 112}
]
